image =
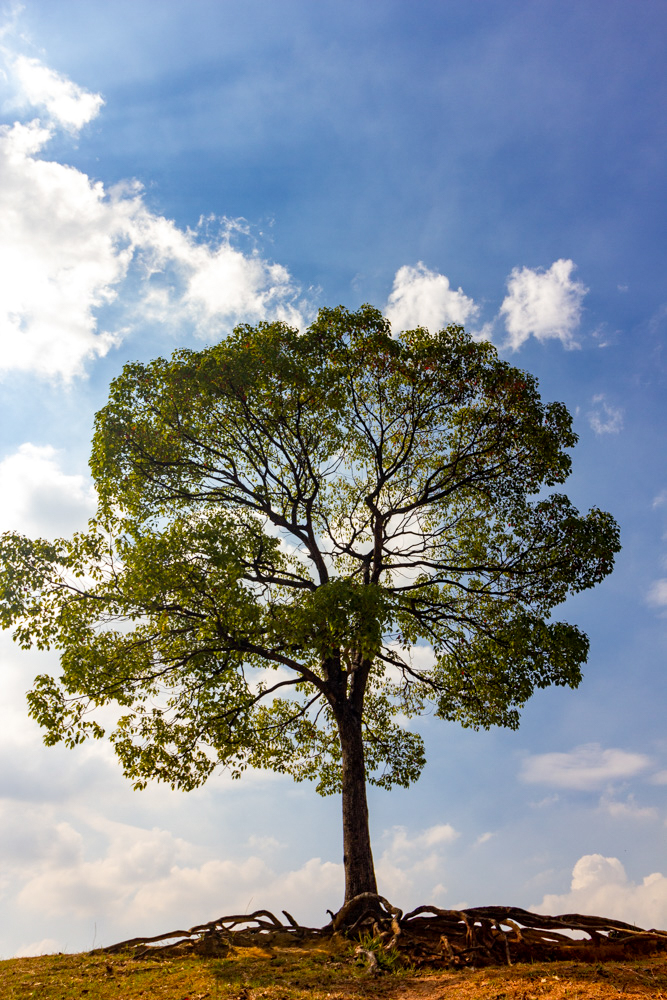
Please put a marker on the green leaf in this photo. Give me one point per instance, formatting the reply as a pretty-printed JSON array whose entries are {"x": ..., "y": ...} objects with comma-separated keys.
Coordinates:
[{"x": 282, "y": 518}]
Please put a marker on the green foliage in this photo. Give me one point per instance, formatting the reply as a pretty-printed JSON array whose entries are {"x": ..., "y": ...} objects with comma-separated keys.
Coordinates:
[
  {"x": 388, "y": 959},
  {"x": 283, "y": 519}
]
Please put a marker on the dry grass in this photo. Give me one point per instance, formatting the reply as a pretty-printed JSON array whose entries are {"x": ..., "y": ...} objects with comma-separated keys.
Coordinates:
[{"x": 317, "y": 973}]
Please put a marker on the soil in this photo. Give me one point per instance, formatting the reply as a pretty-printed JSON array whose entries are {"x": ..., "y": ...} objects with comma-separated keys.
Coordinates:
[
  {"x": 295, "y": 974},
  {"x": 560, "y": 981}
]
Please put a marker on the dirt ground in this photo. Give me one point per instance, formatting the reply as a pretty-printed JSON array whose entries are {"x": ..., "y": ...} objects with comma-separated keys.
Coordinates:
[
  {"x": 305, "y": 975},
  {"x": 560, "y": 981}
]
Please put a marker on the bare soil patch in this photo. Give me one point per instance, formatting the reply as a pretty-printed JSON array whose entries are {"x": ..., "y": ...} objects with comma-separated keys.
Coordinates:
[
  {"x": 317, "y": 973},
  {"x": 369, "y": 949}
]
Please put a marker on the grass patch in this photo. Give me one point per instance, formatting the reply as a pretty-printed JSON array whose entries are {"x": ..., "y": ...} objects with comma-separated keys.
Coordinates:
[
  {"x": 323, "y": 972},
  {"x": 275, "y": 974}
]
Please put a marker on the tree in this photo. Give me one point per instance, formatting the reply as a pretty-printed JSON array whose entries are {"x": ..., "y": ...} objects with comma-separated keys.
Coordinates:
[{"x": 282, "y": 519}]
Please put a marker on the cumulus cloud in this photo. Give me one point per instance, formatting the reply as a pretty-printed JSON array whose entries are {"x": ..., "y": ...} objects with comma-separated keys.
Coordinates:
[
  {"x": 411, "y": 864},
  {"x": 47, "y": 946},
  {"x": 605, "y": 418},
  {"x": 38, "y": 499},
  {"x": 210, "y": 285},
  {"x": 600, "y": 886},
  {"x": 584, "y": 768},
  {"x": 484, "y": 838},
  {"x": 63, "y": 252},
  {"x": 421, "y": 297},
  {"x": 657, "y": 595},
  {"x": 403, "y": 845},
  {"x": 628, "y": 809},
  {"x": 150, "y": 878},
  {"x": 64, "y": 101},
  {"x": 306, "y": 891},
  {"x": 544, "y": 304},
  {"x": 71, "y": 249}
]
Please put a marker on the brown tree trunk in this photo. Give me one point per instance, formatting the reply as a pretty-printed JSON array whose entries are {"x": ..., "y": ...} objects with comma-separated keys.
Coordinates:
[{"x": 357, "y": 853}]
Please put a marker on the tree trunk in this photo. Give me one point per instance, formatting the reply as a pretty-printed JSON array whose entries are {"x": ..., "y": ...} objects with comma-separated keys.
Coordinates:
[{"x": 357, "y": 853}]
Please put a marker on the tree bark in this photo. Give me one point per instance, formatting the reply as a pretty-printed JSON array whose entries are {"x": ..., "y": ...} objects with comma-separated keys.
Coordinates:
[{"x": 357, "y": 853}]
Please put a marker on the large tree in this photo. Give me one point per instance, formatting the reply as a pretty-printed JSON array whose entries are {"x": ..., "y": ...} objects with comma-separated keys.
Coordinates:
[{"x": 283, "y": 518}]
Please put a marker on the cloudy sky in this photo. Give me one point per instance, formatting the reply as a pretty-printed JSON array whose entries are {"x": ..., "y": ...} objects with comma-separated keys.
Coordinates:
[{"x": 168, "y": 170}]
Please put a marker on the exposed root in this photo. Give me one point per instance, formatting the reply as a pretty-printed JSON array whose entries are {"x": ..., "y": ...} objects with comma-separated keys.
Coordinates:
[
  {"x": 428, "y": 935},
  {"x": 220, "y": 937},
  {"x": 370, "y": 956}
]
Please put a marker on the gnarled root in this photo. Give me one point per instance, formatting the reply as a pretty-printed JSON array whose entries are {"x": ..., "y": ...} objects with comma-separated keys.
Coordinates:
[{"x": 428, "y": 935}]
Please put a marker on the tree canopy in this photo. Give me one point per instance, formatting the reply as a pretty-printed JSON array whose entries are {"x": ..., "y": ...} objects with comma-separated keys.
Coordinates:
[{"x": 302, "y": 540}]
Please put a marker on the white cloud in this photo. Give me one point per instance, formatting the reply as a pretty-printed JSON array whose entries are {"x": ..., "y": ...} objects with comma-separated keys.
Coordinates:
[
  {"x": 627, "y": 810},
  {"x": 211, "y": 285},
  {"x": 546, "y": 802},
  {"x": 660, "y": 499},
  {"x": 657, "y": 595},
  {"x": 604, "y": 418},
  {"x": 601, "y": 334},
  {"x": 63, "y": 252},
  {"x": 600, "y": 886},
  {"x": 585, "y": 767},
  {"x": 421, "y": 297},
  {"x": 219, "y": 887},
  {"x": 70, "y": 250},
  {"x": 411, "y": 865},
  {"x": 38, "y": 499},
  {"x": 485, "y": 332},
  {"x": 47, "y": 946},
  {"x": 484, "y": 838},
  {"x": 40, "y": 87},
  {"x": 546, "y": 304},
  {"x": 149, "y": 880},
  {"x": 402, "y": 845},
  {"x": 264, "y": 844}
]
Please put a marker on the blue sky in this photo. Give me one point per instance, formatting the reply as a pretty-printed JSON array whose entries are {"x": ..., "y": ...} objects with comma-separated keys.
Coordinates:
[{"x": 167, "y": 171}]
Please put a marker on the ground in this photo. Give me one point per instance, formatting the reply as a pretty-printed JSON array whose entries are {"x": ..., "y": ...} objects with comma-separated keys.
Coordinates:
[{"x": 316, "y": 974}]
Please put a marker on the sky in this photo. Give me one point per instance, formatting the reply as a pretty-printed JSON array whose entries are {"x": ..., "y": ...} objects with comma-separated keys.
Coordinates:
[{"x": 170, "y": 170}]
